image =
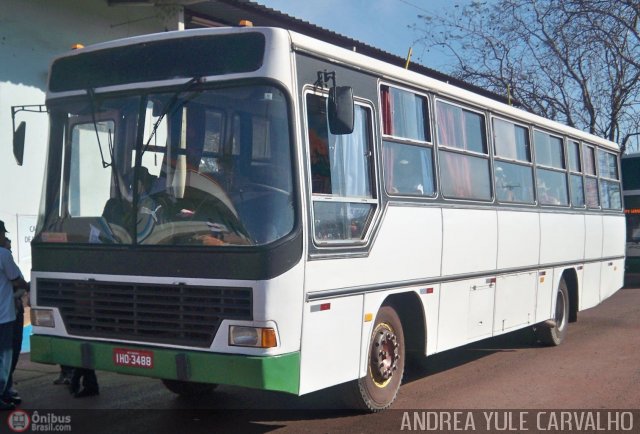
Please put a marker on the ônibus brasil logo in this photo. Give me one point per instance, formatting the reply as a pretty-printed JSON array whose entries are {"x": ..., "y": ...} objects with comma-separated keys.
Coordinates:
[{"x": 18, "y": 421}]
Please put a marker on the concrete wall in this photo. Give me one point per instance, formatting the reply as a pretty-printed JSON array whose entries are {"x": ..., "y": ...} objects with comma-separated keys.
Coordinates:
[{"x": 32, "y": 33}]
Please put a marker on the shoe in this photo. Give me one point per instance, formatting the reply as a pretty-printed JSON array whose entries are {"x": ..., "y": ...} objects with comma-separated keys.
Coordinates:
[
  {"x": 15, "y": 399},
  {"x": 86, "y": 392},
  {"x": 62, "y": 379},
  {"x": 13, "y": 392},
  {"x": 6, "y": 406}
]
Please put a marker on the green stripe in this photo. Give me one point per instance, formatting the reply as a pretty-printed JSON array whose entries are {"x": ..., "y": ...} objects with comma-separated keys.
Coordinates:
[{"x": 279, "y": 373}]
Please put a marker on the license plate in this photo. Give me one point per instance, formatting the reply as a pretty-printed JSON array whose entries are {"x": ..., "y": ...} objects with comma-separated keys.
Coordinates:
[{"x": 133, "y": 358}]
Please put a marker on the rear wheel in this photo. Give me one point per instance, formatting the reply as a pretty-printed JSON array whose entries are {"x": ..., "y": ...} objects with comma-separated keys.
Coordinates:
[
  {"x": 188, "y": 389},
  {"x": 553, "y": 333},
  {"x": 378, "y": 389}
]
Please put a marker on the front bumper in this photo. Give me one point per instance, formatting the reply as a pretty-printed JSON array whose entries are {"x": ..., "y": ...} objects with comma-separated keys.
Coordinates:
[{"x": 278, "y": 373}]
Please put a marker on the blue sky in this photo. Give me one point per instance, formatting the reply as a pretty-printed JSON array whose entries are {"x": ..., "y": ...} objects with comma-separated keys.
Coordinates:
[{"x": 380, "y": 23}]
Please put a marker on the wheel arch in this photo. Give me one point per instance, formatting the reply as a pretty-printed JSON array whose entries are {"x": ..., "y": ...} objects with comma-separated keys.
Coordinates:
[
  {"x": 570, "y": 277},
  {"x": 412, "y": 317}
]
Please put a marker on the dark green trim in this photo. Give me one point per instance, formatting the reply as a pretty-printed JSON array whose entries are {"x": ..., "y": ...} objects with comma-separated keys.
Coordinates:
[{"x": 279, "y": 373}]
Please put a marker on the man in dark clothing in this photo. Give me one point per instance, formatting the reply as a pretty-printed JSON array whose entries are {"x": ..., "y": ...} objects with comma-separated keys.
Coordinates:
[
  {"x": 11, "y": 394},
  {"x": 89, "y": 383},
  {"x": 11, "y": 280}
]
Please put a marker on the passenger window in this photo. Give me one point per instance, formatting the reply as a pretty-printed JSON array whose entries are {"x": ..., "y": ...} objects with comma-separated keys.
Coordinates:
[
  {"x": 589, "y": 160},
  {"x": 408, "y": 152},
  {"x": 590, "y": 181},
  {"x": 607, "y": 165},
  {"x": 514, "y": 182},
  {"x": 591, "y": 192},
  {"x": 341, "y": 175},
  {"x": 609, "y": 184},
  {"x": 408, "y": 170},
  {"x": 461, "y": 128},
  {"x": 511, "y": 140},
  {"x": 548, "y": 150},
  {"x": 551, "y": 178},
  {"x": 573, "y": 152},
  {"x": 464, "y": 176},
  {"x": 464, "y": 168},
  {"x": 552, "y": 187},
  {"x": 514, "y": 177},
  {"x": 576, "y": 183},
  {"x": 404, "y": 114}
]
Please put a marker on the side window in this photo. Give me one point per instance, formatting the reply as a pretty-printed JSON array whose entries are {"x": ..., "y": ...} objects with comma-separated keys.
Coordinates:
[
  {"x": 576, "y": 184},
  {"x": 407, "y": 148},
  {"x": 590, "y": 180},
  {"x": 408, "y": 169},
  {"x": 551, "y": 176},
  {"x": 405, "y": 114},
  {"x": 462, "y": 150},
  {"x": 513, "y": 168},
  {"x": 341, "y": 175},
  {"x": 609, "y": 180}
]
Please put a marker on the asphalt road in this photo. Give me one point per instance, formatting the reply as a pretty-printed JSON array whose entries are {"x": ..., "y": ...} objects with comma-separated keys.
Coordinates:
[{"x": 597, "y": 367}]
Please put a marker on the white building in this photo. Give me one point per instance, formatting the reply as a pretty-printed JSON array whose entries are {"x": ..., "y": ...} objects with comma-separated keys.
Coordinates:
[{"x": 32, "y": 33}]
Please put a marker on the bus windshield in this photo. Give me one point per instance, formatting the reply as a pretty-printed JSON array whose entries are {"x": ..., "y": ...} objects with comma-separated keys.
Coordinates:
[{"x": 205, "y": 167}]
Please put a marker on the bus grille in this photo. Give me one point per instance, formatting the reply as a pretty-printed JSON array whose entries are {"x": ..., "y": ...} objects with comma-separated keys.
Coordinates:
[{"x": 170, "y": 314}]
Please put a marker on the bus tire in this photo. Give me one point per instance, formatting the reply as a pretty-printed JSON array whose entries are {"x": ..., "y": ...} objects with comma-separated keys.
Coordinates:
[
  {"x": 377, "y": 390},
  {"x": 187, "y": 389},
  {"x": 553, "y": 335}
]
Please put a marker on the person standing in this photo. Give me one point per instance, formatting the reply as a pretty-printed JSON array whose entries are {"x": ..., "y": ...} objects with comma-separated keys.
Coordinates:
[
  {"x": 11, "y": 394},
  {"x": 89, "y": 383},
  {"x": 66, "y": 372},
  {"x": 10, "y": 280}
]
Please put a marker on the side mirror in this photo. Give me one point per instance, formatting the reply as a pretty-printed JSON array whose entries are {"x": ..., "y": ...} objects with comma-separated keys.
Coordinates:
[
  {"x": 18, "y": 142},
  {"x": 340, "y": 109}
]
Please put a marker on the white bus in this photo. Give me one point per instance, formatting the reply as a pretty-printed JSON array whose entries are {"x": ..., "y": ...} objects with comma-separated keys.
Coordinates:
[{"x": 251, "y": 206}]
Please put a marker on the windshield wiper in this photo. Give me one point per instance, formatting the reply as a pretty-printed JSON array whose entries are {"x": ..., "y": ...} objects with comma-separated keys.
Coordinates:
[
  {"x": 92, "y": 97},
  {"x": 170, "y": 107}
]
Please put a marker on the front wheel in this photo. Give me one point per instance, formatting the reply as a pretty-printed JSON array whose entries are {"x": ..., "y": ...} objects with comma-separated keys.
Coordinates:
[
  {"x": 378, "y": 389},
  {"x": 553, "y": 334}
]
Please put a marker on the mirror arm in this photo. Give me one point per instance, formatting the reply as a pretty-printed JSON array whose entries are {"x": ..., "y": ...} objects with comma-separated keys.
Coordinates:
[
  {"x": 33, "y": 108},
  {"x": 324, "y": 77}
]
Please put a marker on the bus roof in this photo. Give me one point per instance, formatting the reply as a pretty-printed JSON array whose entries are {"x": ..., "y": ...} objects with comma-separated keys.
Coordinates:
[{"x": 303, "y": 43}]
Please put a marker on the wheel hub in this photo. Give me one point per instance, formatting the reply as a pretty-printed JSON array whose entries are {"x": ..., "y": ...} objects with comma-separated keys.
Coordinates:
[{"x": 384, "y": 355}]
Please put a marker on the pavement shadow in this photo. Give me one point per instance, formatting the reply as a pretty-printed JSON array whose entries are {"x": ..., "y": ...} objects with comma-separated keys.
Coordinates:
[{"x": 420, "y": 366}]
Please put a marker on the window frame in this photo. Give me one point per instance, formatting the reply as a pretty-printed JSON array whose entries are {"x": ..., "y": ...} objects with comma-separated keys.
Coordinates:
[
  {"x": 605, "y": 179},
  {"x": 514, "y": 161},
  {"x": 588, "y": 176},
  {"x": 391, "y": 138},
  {"x": 324, "y": 245},
  {"x": 563, "y": 170},
  {"x": 580, "y": 172},
  {"x": 464, "y": 152},
  {"x": 395, "y": 138}
]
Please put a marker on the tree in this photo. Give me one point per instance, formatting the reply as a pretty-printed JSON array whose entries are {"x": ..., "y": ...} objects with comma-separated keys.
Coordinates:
[{"x": 575, "y": 61}]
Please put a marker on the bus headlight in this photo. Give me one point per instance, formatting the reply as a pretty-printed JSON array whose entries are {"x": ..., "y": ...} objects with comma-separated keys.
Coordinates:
[
  {"x": 42, "y": 317},
  {"x": 242, "y": 336}
]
